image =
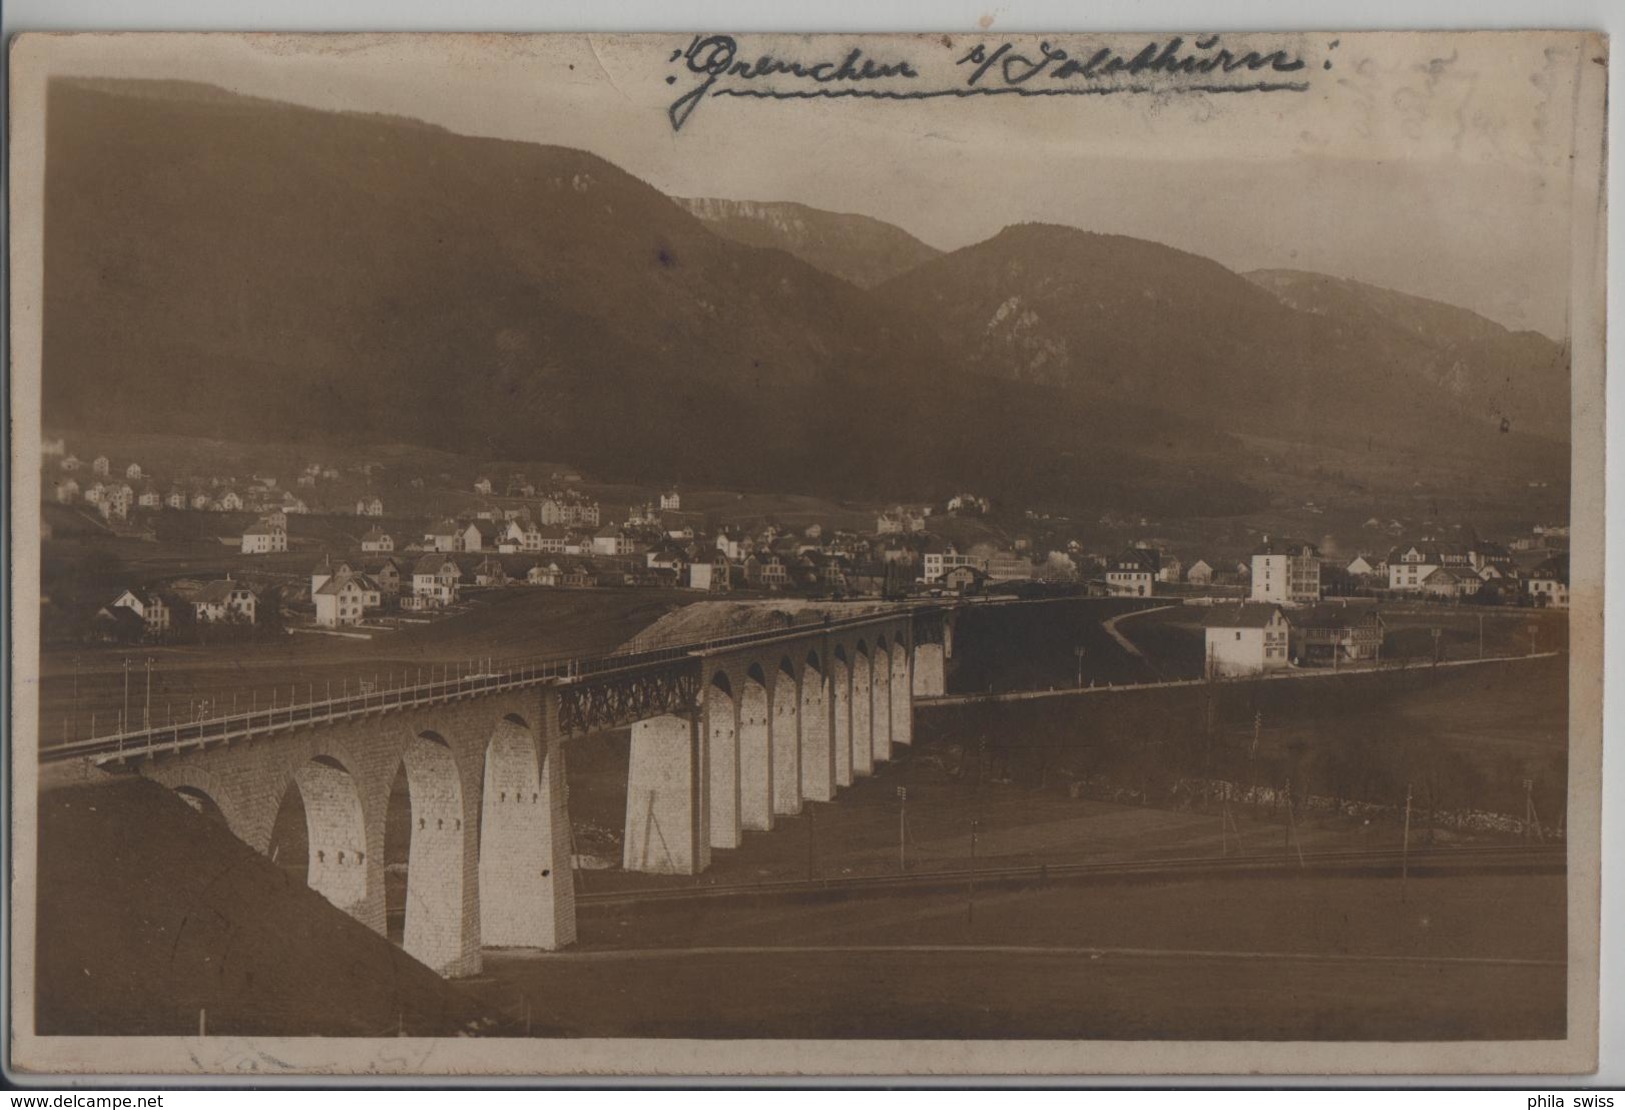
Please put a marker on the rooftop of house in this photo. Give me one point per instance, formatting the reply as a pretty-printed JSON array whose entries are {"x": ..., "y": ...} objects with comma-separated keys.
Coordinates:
[
  {"x": 1282, "y": 546},
  {"x": 1334, "y": 614},
  {"x": 220, "y": 590},
  {"x": 1247, "y": 614}
]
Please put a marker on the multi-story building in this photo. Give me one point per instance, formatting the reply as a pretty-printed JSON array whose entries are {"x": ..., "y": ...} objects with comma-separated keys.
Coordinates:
[
  {"x": 935, "y": 563},
  {"x": 1244, "y": 639},
  {"x": 225, "y": 599},
  {"x": 264, "y": 539},
  {"x": 1329, "y": 634},
  {"x": 434, "y": 582},
  {"x": 1548, "y": 583},
  {"x": 150, "y": 607},
  {"x": 1132, "y": 572},
  {"x": 1285, "y": 572}
]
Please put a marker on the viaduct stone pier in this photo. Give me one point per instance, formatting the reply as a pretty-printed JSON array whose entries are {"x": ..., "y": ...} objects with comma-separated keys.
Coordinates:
[{"x": 726, "y": 735}]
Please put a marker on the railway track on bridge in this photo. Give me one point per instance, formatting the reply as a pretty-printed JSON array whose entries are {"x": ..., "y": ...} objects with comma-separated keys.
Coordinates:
[
  {"x": 1515, "y": 859},
  {"x": 493, "y": 677}
]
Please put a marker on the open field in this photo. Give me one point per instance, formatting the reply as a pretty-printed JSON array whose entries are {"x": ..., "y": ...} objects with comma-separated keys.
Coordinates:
[
  {"x": 1462, "y": 737},
  {"x": 1457, "y": 958}
]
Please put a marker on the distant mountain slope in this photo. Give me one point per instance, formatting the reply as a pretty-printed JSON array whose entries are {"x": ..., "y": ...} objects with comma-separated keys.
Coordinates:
[
  {"x": 1521, "y": 375},
  {"x": 232, "y": 267},
  {"x": 858, "y": 249},
  {"x": 1115, "y": 318}
]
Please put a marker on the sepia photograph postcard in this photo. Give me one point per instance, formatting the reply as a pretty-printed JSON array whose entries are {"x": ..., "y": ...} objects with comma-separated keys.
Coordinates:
[{"x": 792, "y": 555}]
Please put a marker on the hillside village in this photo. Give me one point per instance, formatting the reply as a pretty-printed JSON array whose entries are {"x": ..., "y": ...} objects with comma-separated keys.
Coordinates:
[{"x": 383, "y": 568}]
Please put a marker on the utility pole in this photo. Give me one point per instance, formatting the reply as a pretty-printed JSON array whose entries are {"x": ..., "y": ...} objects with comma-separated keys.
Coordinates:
[
  {"x": 970, "y": 909},
  {"x": 1531, "y": 638},
  {"x": 811, "y": 809},
  {"x": 902, "y": 828},
  {"x": 1481, "y": 635},
  {"x": 1531, "y": 819},
  {"x": 124, "y": 718},
  {"x": 1080, "y": 651},
  {"x": 146, "y": 713},
  {"x": 1405, "y": 850}
]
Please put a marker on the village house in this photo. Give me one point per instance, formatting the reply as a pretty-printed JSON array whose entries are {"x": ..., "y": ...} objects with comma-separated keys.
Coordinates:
[
  {"x": 1410, "y": 566},
  {"x": 369, "y": 506},
  {"x": 1331, "y": 633},
  {"x": 510, "y": 537},
  {"x": 553, "y": 538},
  {"x": 666, "y": 557},
  {"x": 133, "y": 472},
  {"x": 118, "y": 625},
  {"x": 570, "y": 510},
  {"x": 490, "y": 572},
  {"x": 229, "y": 502},
  {"x": 1548, "y": 583},
  {"x": 1361, "y": 566},
  {"x": 940, "y": 557},
  {"x": 67, "y": 491},
  {"x": 377, "y": 539},
  {"x": 671, "y": 501},
  {"x": 1200, "y": 573},
  {"x": 149, "y": 606},
  {"x": 443, "y": 536},
  {"x": 1450, "y": 583},
  {"x": 731, "y": 542},
  {"x": 1245, "y": 639},
  {"x": 900, "y": 519},
  {"x": 1171, "y": 569},
  {"x": 1007, "y": 566},
  {"x": 1132, "y": 573},
  {"x": 434, "y": 583},
  {"x": 388, "y": 575},
  {"x": 482, "y": 485},
  {"x": 543, "y": 575},
  {"x": 149, "y": 498},
  {"x": 962, "y": 580},
  {"x": 765, "y": 570},
  {"x": 342, "y": 600},
  {"x": 224, "y": 600},
  {"x": 576, "y": 573},
  {"x": 264, "y": 539},
  {"x": 100, "y": 466},
  {"x": 201, "y": 501},
  {"x": 324, "y": 572},
  {"x": 710, "y": 574},
  {"x": 1285, "y": 572},
  {"x": 71, "y": 463}
]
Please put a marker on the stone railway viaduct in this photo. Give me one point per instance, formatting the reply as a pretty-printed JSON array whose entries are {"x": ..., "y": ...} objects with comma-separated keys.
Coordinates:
[{"x": 726, "y": 735}]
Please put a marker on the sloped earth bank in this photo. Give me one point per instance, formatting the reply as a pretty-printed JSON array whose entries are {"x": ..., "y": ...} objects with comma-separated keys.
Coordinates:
[{"x": 150, "y": 912}]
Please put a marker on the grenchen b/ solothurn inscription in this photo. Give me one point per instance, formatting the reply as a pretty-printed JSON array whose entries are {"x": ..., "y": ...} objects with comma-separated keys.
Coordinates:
[{"x": 747, "y": 553}]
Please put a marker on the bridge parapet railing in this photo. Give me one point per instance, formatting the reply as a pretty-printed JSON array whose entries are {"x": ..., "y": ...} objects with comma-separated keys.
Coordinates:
[{"x": 491, "y": 676}]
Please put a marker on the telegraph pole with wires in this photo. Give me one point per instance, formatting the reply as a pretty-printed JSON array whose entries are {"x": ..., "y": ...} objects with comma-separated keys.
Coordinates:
[
  {"x": 902, "y": 828},
  {"x": 1405, "y": 847},
  {"x": 1531, "y": 819}
]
